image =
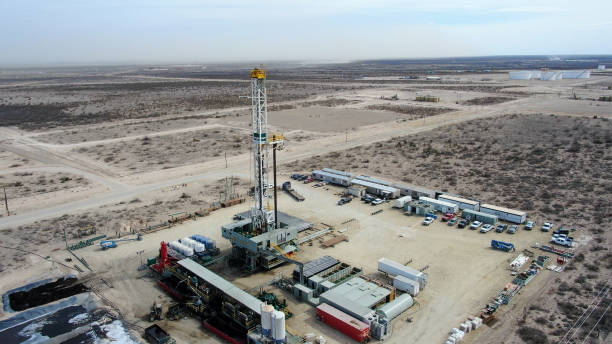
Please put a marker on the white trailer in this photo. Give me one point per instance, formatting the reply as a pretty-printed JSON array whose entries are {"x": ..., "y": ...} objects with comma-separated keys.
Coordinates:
[
  {"x": 405, "y": 284},
  {"x": 400, "y": 202},
  {"x": 394, "y": 268},
  {"x": 331, "y": 178},
  {"x": 462, "y": 203},
  {"x": 506, "y": 214},
  {"x": 441, "y": 206}
]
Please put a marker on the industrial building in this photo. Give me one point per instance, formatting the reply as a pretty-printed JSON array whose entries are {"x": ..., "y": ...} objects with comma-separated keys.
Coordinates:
[
  {"x": 394, "y": 268},
  {"x": 332, "y": 178},
  {"x": 357, "y": 297},
  {"x": 462, "y": 203},
  {"x": 441, "y": 206},
  {"x": 480, "y": 216},
  {"x": 506, "y": 214},
  {"x": 383, "y": 191}
]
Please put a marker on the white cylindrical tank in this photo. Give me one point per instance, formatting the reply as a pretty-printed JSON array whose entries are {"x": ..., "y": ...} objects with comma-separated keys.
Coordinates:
[
  {"x": 182, "y": 249},
  {"x": 396, "y": 307},
  {"x": 266, "y": 319},
  {"x": 278, "y": 327},
  {"x": 196, "y": 246}
]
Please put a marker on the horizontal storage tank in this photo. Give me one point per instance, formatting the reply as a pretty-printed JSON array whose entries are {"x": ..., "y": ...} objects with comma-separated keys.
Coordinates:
[
  {"x": 208, "y": 243},
  {"x": 196, "y": 246},
  {"x": 343, "y": 322},
  {"x": 406, "y": 284},
  {"x": 182, "y": 249},
  {"x": 396, "y": 307},
  {"x": 396, "y": 269}
]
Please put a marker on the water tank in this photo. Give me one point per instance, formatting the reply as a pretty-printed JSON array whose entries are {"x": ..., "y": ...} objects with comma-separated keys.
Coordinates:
[
  {"x": 182, "y": 249},
  {"x": 196, "y": 246},
  {"x": 266, "y": 319},
  {"x": 396, "y": 307},
  {"x": 209, "y": 243},
  {"x": 278, "y": 327}
]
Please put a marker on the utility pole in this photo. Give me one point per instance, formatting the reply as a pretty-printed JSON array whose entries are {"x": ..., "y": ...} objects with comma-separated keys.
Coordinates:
[
  {"x": 8, "y": 213},
  {"x": 225, "y": 159}
]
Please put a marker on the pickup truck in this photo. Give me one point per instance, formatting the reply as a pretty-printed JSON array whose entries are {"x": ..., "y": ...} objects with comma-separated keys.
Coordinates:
[
  {"x": 512, "y": 229},
  {"x": 501, "y": 227},
  {"x": 463, "y": 223},
  {"x": 547, "y": 226},
  {"x": 562, "y": 230},
  {"x": 377, "y": 201},
  {"x": 567, "y": 242},
  {"x": 529, "y": 225},
  {"x": 428, "y": 221},
  {"x": 475, "y": 225},
  {"x": 452, "y": 222},
  {"x": 486, "y": 228},
  {"x": 447, "y": 217}
]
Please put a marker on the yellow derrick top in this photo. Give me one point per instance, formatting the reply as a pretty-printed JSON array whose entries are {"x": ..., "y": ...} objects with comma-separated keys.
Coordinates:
[{"x": 258, "y": 73}]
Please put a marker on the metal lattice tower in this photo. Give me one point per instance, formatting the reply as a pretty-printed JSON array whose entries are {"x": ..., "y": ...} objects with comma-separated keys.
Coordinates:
[{"x": 259, "y": 102}]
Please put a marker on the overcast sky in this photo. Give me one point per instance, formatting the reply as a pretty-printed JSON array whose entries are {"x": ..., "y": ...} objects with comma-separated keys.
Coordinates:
[{"x": 44, "y": 32}]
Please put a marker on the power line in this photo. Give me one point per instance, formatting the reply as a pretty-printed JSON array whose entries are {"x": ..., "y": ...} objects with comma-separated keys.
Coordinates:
[
  {"x": 575, "y": 329},
  {"x": 598, "y": 320}
]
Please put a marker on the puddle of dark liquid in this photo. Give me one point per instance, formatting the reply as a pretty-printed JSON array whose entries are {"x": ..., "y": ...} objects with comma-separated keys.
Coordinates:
[{"x": 43, "y": 294}]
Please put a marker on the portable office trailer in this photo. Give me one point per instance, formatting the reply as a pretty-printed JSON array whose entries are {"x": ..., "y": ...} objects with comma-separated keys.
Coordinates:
[
  {"x": 480, "y": 216},
  {"x": 418, "y": 207},
  {"x": 506, "y": 214},
  {"x": 414, "y": 191},
  {"x": 373, "y": 180},
  {"x": 463, "y": 203},
  {"x": 338, "y": 172},
  {"x": 331, "y": 178},
  {"x": 356, "y": 190},
  {"x": 378, "y": 189},
  {"x": 441, "y": 206}
]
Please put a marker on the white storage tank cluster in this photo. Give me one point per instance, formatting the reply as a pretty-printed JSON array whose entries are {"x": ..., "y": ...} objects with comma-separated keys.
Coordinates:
[
  {"x": 576, "y": 74},
  {"x": 555, "y": 75},
  {"x": 266, "y": 319},
  {"x": 520, "y": 75},
  {"x": 405, "y": 284},
  {"x": 278, "y": 327},
  {"x": 182, "y": 249},
  {"x": 196, "y": 246},
  {"x": 396, "y": 307}
]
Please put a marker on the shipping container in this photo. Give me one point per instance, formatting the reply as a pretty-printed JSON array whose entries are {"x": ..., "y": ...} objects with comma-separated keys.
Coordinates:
[
  {"x": 506, "y": 214},
  {"x": 406, "y": 284},
  {"x": 462, "y": 203},
  {"x": 480, "y": 216},
  {"x": 343, "y": 322},
  {"x": 394, "y": 268}
]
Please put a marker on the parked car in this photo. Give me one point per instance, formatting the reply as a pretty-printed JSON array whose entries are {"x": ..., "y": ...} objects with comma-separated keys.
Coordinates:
[
  {"x": 428, "y": 221},
  {"x": 344, "y": 200},
  {"x": 529, "y": 225},
  {"x": 547, "y": 226},
  {"x": 562, "y": 230},
  {"x": 512, "y": 229},
  {"x": 567, "y": 242},
  {"x": 486, "y": 228},
  {"x": 501, "y": 227},
  {"x": 452, "y": 221},
  {"x": 294, "y": 176},
  {"x": 463, "y": 223},
  {"x": 448, "y": 216},
  {"x": 377, "y": 201},
  {"x": 308, "y": 180},
  {"x": 475, "y": 225}
]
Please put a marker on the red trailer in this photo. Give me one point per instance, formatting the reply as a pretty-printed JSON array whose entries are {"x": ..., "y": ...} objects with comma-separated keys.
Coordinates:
[{"x": 358, "y": 330}]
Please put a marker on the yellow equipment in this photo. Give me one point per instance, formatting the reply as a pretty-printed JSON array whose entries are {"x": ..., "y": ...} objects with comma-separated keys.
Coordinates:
[{"x": 258, "y": 73}]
